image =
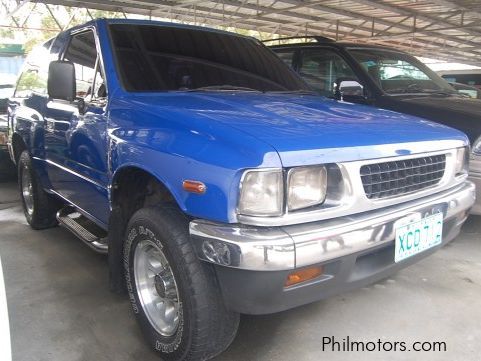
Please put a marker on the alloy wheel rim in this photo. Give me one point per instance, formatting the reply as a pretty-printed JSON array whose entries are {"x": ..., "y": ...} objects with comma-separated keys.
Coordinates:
[
  {"x": 156, "y": 288},
  {"x": 27, "y": 190}
]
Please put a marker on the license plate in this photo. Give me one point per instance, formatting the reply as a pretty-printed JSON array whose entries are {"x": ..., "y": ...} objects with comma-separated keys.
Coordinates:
[{"x": 415, "y": 237}]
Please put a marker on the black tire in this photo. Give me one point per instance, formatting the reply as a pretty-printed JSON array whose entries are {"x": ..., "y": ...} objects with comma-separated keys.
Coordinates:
[
  {"x": 206, "y": 327},
  {"x": 41, "y": 214}
]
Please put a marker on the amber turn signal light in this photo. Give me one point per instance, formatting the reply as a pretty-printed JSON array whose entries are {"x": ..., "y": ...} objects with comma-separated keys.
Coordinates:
[
  {"x": 194, "y": 186},
  {"x": 303, "y": 275}
]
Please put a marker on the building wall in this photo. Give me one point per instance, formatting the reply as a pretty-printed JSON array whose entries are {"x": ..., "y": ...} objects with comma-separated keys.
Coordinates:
[{"x": 10, "y": 64}]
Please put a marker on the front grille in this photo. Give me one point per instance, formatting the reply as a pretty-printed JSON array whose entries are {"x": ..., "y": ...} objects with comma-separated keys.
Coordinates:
[{"x": 401, "y": 177}]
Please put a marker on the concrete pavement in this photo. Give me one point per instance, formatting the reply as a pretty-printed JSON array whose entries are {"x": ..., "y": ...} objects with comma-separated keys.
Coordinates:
[{"x": 61, "y": 308}]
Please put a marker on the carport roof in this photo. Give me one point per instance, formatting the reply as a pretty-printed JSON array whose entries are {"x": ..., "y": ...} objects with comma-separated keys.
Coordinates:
[{"x": 442, "y": 29}]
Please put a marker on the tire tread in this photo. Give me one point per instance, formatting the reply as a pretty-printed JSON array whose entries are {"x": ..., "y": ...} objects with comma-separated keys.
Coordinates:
[{"x": 214, "y": 326}]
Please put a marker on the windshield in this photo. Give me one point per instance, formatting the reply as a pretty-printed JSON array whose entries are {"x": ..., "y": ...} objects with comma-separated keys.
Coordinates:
[
  {"x": 167, "y": 58},
  {"x": 398, "y": 73}
]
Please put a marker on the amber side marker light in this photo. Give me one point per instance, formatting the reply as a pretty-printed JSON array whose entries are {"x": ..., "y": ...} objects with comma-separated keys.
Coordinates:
[
  {"x": 194, "y": 186},
  {"x": 303, "y": 275}
]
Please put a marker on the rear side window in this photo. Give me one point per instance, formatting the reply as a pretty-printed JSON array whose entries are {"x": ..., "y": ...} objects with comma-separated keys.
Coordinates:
[
  {"x": 321, "y": 68},
  {"x": 162, "y": 58},
  {"x": 287, "y": 55}
]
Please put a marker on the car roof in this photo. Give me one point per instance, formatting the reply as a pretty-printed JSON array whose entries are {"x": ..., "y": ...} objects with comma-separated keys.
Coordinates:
[
  {"x": 336, "y": 44},
  {"x": 157, "y": 23},
  {"x": 460, "y": 72}
]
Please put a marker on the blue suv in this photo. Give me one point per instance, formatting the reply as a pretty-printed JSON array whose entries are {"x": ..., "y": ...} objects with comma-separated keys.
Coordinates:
[{"x": 216, "y": 182}]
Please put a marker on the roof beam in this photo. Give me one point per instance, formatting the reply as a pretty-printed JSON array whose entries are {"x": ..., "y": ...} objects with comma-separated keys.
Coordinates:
[
  {"x": 409, "y": 29},
  {"x": 263, "y": 11},
  {"x": 420, "y": 16},
  {"x": 17, "y": 8},
  {"x": 113, "y": 5},
  {"x": 454, "y": 5},
  {"x": 422, "y": 42},
  {"x": 449, "y": 33},
  {"x": 354, "y": 15}
]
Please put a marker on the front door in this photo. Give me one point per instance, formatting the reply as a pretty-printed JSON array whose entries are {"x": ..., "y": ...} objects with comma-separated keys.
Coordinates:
[
  {"x": 322, "y": 68},
  {"x": 76, "y": 133}
]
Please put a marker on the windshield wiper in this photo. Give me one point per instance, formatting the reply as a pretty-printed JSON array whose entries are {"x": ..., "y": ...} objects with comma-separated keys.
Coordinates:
[
  {"x": 440, "y": 92},
  {"x": 225, "y": 87}
]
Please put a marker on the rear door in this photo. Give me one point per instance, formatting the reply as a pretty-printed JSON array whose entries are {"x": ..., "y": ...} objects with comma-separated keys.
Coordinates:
[{"x": 76, "y": 132}]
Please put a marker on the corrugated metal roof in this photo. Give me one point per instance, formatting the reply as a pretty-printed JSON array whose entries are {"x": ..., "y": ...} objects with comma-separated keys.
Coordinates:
[{"x": 442, "y": 29}]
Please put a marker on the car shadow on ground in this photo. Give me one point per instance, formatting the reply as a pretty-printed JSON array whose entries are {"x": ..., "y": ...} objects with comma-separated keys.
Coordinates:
[
  {"x": 257, "y": 334},
  {"x": 8, "y": 173},
  {"x": 66, "y": 279}
]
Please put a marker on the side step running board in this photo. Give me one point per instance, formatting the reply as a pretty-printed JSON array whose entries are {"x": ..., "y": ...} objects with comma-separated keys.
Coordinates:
[{"x": 91, "y": 234}]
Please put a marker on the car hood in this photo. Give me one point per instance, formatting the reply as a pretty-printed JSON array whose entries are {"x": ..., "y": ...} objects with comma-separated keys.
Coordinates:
[
  {"x": 303, "y": 129},
  {"x": 455, "y": 111},
  {"x": 460, "y": 105}
]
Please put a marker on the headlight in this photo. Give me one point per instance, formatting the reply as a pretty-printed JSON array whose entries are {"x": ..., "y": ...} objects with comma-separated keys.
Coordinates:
[
  {"x": 262, "y": 193},
  {"x": 477, "y": 147},
  {"x": 306, "y": 187},
  {"x": 462, "y": 159}
]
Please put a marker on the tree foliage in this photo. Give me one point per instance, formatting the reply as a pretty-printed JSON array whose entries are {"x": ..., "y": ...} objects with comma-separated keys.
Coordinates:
[{"x": 41, "y": 18}]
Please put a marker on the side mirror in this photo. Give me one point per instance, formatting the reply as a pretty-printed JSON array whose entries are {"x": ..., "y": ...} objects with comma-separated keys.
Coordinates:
[
  {"x": 349, "y": 90},
  {"x": 61, "y": 80}
]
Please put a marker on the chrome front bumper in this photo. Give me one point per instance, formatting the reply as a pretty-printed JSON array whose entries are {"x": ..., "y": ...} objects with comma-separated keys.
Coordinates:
[
  {"x": 475, "y": 177},
  {"x": 289, "y": 247}
]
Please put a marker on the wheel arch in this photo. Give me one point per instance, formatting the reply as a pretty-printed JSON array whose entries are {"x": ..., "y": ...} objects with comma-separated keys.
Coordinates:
[
  {"x": 131, "y": 189},
  {"x": 148, "y": 186},
  {"x": 18, "y": 146}
]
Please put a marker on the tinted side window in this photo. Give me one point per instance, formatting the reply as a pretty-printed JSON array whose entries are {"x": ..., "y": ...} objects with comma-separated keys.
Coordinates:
[
  {"x": 321, "y": 68},
  {"x": 287, "y": 55},
  {"x": 83, "y": 53},
  {"x": 33, "y": 78}
]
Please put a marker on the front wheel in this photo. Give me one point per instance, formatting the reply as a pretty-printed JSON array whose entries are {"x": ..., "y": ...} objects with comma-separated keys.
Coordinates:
[{"x": 174, "y": 296}]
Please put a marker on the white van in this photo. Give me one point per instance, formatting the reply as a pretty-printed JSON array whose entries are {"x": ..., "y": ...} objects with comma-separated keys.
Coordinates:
[{"x": 469, "y": 77}]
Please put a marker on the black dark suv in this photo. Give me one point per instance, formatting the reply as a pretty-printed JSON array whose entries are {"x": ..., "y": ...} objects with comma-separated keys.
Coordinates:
[
  {"x": 7, "y": 169},
  {"x": 385, "y": 78},
  {"x": 382, "y": 77}
]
